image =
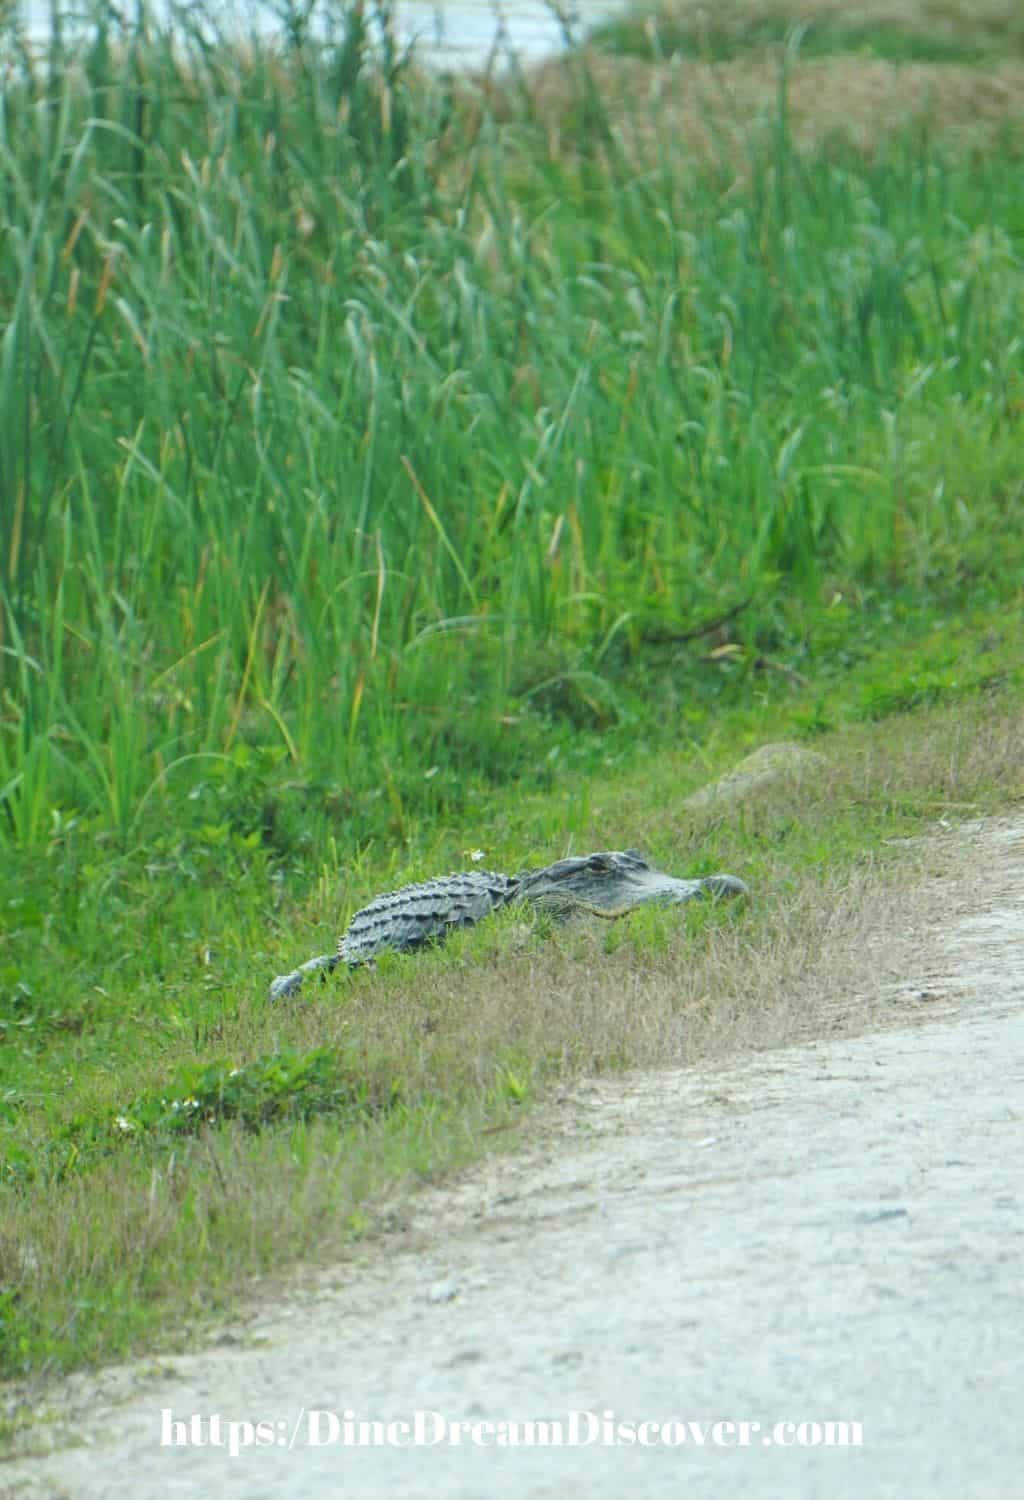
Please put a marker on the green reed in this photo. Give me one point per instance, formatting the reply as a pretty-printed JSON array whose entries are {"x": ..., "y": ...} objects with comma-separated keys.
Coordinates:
[{"x": 341, "y": 422}]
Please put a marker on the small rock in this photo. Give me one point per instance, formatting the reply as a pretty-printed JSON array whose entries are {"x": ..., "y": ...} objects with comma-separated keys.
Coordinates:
[
  {"x": 443, "y": 1291},
  {"x": 882, "y": 1214},
  {"x": 774, "y": 763},
  {"x": 466, "y": 1357}
]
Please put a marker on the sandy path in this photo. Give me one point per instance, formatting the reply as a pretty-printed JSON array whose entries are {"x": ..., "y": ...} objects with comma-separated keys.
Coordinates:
[{"x": 828, "y": 1232}]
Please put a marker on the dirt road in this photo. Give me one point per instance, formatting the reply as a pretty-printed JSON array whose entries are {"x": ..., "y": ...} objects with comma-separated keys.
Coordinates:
[{"x": 832, "y": 1232}]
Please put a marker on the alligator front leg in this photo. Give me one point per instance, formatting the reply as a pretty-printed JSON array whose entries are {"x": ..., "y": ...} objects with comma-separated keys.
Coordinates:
[{"x": 290, "y": 984}]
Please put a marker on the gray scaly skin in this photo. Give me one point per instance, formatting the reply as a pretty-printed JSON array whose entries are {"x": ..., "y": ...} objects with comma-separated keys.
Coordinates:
[{"x": 607, "y": 885}]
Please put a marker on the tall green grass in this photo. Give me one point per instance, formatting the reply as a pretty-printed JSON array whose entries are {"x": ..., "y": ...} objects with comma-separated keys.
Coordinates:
[{"x": 342, "y": 427}]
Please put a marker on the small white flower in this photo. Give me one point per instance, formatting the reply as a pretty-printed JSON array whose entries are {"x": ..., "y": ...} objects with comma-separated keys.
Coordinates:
[
  {"x": 476, "y": 855},
  {"x": 125, "y": 1125},
  {"x": 234, "y": 1072}
]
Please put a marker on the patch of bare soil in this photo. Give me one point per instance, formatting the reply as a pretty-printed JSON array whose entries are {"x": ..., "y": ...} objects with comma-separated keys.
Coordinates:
[{"x": 830, "y": 1231}]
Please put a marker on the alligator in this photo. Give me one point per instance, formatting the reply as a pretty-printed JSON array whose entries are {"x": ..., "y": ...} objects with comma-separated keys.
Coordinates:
[{"x": 606, "y": 884}]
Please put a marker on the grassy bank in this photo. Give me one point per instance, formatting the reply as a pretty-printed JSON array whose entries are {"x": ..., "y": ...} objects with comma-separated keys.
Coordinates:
[
  {"x": 384, "y": 478},
  {"x": 168, "y": 1135},
  {"x": 899, "y": 31}
]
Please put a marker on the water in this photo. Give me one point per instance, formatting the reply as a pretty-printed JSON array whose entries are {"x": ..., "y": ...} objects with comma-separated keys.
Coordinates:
[
  {"x": 462, "y": 33},
  {"x": 465, "y": 32}
]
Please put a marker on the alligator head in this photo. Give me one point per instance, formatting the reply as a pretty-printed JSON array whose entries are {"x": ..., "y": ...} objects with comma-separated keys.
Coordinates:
[{"x": 611, "y": 883}]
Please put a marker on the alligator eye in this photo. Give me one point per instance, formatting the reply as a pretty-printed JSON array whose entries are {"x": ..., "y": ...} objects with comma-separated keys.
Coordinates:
[{"x": 599, "y": 863}]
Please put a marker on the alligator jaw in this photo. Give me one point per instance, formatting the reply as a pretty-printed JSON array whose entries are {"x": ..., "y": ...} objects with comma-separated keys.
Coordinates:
[
  {"x": 656, "y": 889},
  {"x": 611, "y": 884},
  {"x": 665, "y": 891}
]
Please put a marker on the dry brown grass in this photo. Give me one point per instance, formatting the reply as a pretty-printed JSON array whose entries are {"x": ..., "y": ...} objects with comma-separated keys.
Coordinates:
[{"x": 715, "y": 111}]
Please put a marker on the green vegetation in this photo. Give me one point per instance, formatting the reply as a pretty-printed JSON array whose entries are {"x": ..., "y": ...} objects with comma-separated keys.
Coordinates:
[
  {"x": 728, "y": 29},
  {"x": 380, "y": 480},
  {"x": 714, "y": 39}
]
